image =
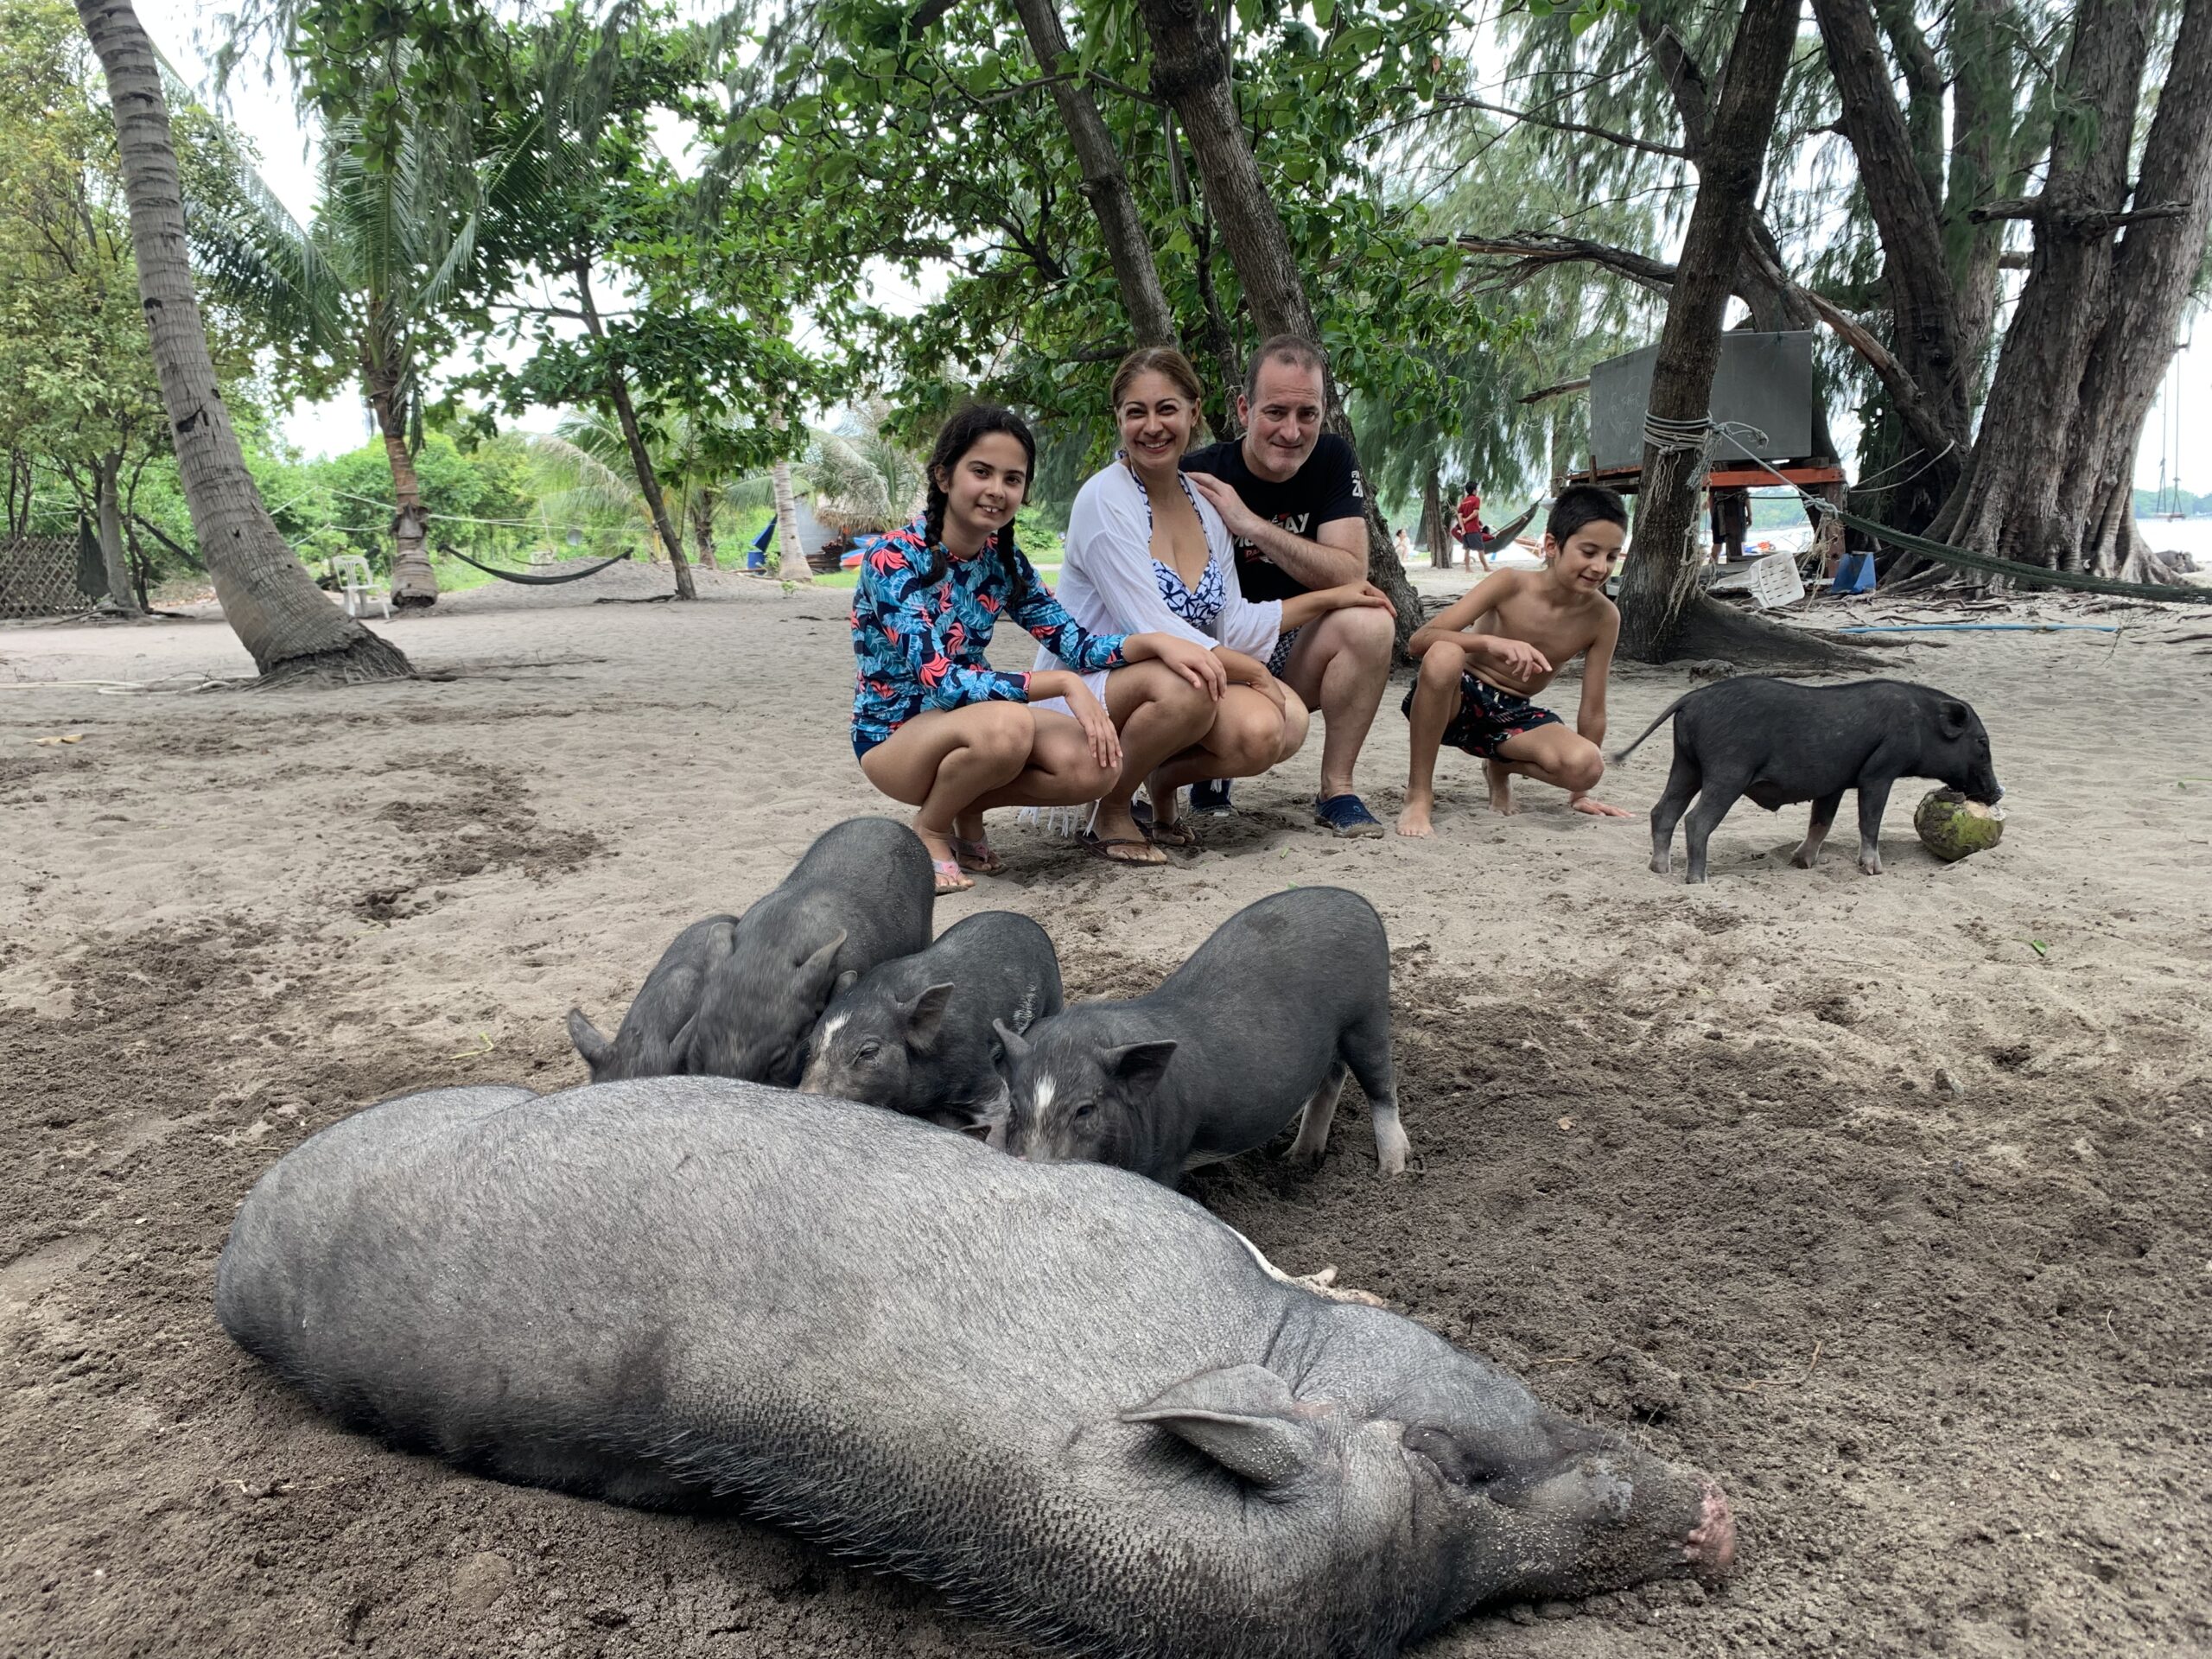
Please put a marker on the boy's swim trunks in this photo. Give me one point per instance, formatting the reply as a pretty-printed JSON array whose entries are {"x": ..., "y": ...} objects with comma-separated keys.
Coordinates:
[{"x": 1487, "y": 717}]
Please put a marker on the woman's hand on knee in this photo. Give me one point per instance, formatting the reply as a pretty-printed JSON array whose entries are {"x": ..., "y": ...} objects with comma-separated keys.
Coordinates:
[{"x": 1194, "y": 661}]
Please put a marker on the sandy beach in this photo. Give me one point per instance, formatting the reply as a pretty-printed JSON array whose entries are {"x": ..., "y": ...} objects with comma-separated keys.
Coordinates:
[{"x": 1882, "y": 1199}]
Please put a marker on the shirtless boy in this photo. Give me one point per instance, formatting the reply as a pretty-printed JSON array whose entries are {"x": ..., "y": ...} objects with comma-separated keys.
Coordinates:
[{"x": 1500, "y": 644}]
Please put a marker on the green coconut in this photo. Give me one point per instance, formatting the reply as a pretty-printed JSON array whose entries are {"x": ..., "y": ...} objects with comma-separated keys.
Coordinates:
[{"x": 1951, "y": 826}]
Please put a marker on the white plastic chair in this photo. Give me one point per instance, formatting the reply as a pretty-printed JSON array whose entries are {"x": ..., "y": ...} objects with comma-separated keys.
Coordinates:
[{"x": 361, "y": 589}]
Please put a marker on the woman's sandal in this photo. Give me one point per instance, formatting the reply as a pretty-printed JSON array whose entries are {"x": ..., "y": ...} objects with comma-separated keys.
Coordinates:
[
  {"x": 1173, "y": 833},
  {"x": 949, "y": 877},
  {"x": 1101, "y": 847},
  {"x": 975, "y": 855}
]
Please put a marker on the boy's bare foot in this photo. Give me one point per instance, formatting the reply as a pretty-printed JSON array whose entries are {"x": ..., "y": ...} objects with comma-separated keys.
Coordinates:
[
  {"x": 1127, "y": 843},
  {"x": 1414, "y": 820},
  {"x": 1501, "y": 789},
  {"x": 1594, "y": 807}
]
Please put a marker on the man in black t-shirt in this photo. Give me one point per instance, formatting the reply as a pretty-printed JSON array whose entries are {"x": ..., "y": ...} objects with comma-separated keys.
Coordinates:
[{"x": 1293, "y": 501}]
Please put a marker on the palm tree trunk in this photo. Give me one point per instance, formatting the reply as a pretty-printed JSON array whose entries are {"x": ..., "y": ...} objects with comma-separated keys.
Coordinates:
[
  {"x": 107, "y": 473},
  {"x": 413, "y": 581},
  {"x": 626, "y": 412},
  {"x": 790, "y": 558},
  {"x": 267, "y": 596}
]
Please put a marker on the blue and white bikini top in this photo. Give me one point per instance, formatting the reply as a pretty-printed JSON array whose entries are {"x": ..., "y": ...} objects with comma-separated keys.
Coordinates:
[{"x": 1200, "y": 607}]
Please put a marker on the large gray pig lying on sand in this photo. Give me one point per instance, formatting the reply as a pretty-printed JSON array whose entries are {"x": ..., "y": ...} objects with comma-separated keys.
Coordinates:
[{"x": 1073, "y": 1400}]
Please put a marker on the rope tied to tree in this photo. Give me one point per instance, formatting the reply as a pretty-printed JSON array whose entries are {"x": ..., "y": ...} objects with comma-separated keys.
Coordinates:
[
  {"x": 1691, "y": 437},
  {"x": 1678, "y": 437}
]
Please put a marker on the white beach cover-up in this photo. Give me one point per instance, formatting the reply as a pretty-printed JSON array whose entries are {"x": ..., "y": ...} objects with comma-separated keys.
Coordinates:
[{"x": 1109, "y": 580}]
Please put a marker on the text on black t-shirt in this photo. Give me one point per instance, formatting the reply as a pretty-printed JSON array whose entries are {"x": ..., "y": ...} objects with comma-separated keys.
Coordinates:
[{"x": 1327, "y": 488}]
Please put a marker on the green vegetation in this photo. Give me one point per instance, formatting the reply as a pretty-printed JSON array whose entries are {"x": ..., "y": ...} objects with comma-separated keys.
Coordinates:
[{"x": 602, "y": 224}]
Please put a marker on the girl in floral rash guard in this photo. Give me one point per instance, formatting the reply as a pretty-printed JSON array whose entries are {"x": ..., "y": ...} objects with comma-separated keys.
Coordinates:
[{"x": 936, "y": 727}]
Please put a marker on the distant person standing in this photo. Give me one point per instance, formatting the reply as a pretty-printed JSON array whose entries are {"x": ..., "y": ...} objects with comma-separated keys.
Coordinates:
[
  {"x": 1469, "y": 528},
  {"x": 1292, "y": 498},
  {"x": 1731, "y": 522}
]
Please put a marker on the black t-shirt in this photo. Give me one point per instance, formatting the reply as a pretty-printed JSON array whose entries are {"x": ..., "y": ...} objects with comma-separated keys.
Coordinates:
[{"x": 1327, "y": 488}]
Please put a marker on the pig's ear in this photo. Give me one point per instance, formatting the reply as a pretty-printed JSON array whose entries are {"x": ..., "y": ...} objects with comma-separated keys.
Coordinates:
[
  {"x": 846, "y": 981},
  {"x": 925, "y": 1015},
  {"x": 1955, "y": 717},
  {"x": 1245, "y": 1418},
  {"x": 1138, "y": 1064},
  {"x": 595, "y": 1048},
  {"x": 815, "y": 972},
  {"x": 1011, "y": 1040}
]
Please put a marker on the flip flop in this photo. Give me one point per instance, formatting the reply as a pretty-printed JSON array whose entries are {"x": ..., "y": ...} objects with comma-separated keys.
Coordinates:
[
  {"x": 949, "y": 877},
  {"x": 1177, "y": 834},
  {"x": 975, "y": 855},
  {"x": 1101, "y": 847}
]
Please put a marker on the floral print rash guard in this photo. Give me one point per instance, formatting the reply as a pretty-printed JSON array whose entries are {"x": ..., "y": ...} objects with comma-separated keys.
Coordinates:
[{"x": 921, "y": 645}]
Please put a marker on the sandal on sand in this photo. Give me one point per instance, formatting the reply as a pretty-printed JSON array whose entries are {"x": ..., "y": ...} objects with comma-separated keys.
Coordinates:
[
  {"x": 1103, "y": 846},
  {"x": 975, "y": 855},
  {"x": 949, "y": 879},
  {"x": 1176, "y": 833}
]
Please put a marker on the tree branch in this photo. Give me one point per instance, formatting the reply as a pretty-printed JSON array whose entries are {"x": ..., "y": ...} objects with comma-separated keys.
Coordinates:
[
  {"x": 1535, "y": 249},
  {"x": 1904, "y": 395},
  {"x": 1685, "y": 79},
  {"x": 1627, "y": 141},
  {"x": 2035, "y": 208},
  {"x": 1559, "y": 390}
]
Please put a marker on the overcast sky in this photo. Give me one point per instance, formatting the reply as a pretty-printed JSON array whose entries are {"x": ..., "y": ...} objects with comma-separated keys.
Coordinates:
[{"x": 264, "y": 113}]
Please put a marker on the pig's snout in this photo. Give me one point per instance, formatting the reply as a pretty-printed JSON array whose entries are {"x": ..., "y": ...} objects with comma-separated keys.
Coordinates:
[{"x": 1711, "y": 1547}]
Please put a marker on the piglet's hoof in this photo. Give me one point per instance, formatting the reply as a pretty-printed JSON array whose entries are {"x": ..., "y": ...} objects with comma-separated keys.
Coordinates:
[{"x": 1323, "y": 1283}]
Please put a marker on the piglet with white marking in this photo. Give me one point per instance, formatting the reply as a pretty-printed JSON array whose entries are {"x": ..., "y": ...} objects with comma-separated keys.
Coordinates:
[
  {"x": 1261, "y": 1025},
  {"x": 915, "y": 1035}
]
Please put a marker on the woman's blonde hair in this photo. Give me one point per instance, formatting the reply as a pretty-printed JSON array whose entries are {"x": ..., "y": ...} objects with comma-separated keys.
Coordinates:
[{"x": 1159, "y": 360}]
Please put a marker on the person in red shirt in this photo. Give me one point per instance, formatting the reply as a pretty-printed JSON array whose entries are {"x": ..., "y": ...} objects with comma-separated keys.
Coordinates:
[{"x": 1470, "y": 527}]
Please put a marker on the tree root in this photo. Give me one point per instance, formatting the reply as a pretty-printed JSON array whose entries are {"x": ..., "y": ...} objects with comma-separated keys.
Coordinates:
[
  {"x": 1709, "y": 629},
  {"x": 366, "y": 661}
]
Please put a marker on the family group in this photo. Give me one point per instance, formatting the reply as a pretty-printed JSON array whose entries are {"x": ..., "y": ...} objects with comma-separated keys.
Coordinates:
[{"x": 1211, "y": 599}]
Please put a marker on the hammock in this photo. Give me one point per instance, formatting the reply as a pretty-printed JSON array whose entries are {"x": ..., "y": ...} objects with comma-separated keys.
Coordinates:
[
  {"x": 1960, "y": 558},
  {"x": 1496, "y": 539},
  {"x": 2034, "y": 575},
  {"x": 535, "y": 582}
]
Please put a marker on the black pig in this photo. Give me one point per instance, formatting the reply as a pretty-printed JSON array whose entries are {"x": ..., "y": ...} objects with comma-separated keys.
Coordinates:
[{"x": 1777, "y": 741}]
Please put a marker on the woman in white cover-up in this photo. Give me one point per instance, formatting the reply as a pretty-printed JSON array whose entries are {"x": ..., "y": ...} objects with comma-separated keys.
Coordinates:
[{"x": 1147, "y": 553}]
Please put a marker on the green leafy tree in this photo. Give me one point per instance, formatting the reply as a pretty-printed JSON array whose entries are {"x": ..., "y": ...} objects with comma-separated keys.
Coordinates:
[{"x": 684, "y": 316}]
